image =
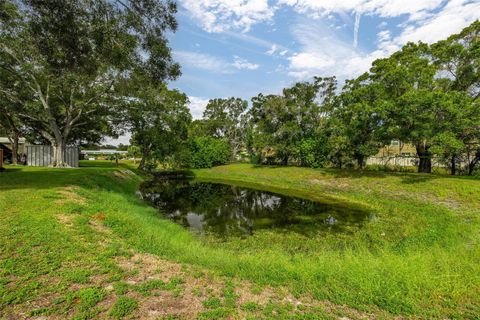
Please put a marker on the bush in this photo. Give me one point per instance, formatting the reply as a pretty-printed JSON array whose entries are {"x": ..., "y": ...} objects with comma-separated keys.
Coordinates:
[
  {"x": 255, "y": 159},
  {"x": 206, "y": 152},
  {"x": 311, "y": 153}
]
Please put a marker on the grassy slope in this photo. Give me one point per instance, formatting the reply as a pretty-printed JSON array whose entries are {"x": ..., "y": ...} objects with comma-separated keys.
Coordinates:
[{"x": 418, "y": 256}]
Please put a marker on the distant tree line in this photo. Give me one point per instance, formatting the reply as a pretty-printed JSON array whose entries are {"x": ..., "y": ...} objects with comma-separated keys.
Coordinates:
[{"x": 423, "y": 95}]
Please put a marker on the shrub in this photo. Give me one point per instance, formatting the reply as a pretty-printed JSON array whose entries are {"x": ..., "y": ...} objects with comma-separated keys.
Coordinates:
[
  {"x": 255, "y": 159},
  {"x": 206, "y": 152},
  {"x": 311, "y": 153}
]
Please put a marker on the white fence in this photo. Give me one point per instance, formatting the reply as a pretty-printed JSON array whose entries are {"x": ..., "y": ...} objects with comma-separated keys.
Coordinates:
[
  {"x": 42, "y": 156},
  {"x": 399, "y": 161}
]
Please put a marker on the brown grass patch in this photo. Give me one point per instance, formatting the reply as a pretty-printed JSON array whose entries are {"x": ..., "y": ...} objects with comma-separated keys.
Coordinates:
[
  {"x": 65, "y": 219},
  {"x": 69, "y": 195}
]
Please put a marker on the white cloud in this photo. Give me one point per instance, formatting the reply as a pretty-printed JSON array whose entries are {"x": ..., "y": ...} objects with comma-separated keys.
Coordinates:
[
  {"x": 123, "y": 139},
  {"x": 213, "y": 64},
  {"x": 223, "y": 15},
  {"x": 202, "y": 61},
  {"x": 323, "y": 53},
  {"x": 382, "y": 25},
  {"x": 275, "y": 49},
  {"x": 272, "y": 50},
  {"x": 382, "y": 8},
  {"x": 456, "y": 15},
  {"x": 197, "y": 106},
  {"x": 241, "y": 64}
]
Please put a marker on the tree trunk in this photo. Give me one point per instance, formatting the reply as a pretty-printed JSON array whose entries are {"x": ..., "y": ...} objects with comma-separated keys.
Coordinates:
[
  {"x": 14, "y": 141},
  {"x": 425, "y": 158},
  {"x": 473, "y": 163},
  {"x": 145, "y": 152},
  {"x": 284, "y": 160},
  {"x": 360, "y": 160},
  {"x": 59, "y": 147},
  {"x": 453, "y": 166}
]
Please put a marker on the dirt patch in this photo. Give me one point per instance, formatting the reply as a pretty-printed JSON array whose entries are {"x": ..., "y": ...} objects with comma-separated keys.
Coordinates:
[
  {"x": 167, "y": 304},
  {"x": 96, "y": 222},
  {"x": 149, "y": 267},
  {"x": 70, "y": 194},
  {"x": 65, "y": 219}
]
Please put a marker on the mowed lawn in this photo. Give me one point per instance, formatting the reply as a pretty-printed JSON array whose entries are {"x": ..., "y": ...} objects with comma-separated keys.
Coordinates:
[{"x": 79, "y": 243}]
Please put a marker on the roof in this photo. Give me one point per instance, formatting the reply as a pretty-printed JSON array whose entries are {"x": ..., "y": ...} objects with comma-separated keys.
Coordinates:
[
  {"x": 6, "y": 140},
  {"x": 103, "y": 151}
]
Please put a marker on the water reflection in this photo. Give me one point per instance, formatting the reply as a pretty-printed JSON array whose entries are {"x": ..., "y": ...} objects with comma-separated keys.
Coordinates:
[{"x": 227, "y": 210}]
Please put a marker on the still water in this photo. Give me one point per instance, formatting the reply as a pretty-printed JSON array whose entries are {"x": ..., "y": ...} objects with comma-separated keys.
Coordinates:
[{"x": 226, "y": 210}]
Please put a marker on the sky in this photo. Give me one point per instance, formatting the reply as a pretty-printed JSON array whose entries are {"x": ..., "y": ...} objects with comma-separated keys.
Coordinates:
[{"x": 242, "y": 48}]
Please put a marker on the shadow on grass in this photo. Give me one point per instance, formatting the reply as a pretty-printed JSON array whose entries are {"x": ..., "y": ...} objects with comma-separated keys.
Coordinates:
[
  {"x": 7, "y": 170},
  {"x": 49, "y": 178}
]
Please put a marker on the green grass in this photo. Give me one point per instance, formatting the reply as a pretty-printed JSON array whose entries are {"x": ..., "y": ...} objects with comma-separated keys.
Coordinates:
[
  {"x": 123, "y": 307},
  {"x": 417, "y": 256}
]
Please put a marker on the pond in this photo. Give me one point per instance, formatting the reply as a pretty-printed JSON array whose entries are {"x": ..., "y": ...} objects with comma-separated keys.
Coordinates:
[{"x": 228, "y": 210}]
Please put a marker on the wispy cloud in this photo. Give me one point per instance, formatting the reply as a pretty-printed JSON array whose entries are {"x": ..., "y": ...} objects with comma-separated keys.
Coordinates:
[
  {"x": 272, "y": 50},
  {"x": 203, "y": 61},
  {"x": 355, "y": 29},
  {"x": 212, "y": 63},
  {"x": 241, "y": 64},
  {"x": 321, "y": 53}
]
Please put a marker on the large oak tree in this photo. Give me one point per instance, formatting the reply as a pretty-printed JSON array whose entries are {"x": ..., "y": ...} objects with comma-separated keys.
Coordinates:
[{"x": 69, "y": 56}]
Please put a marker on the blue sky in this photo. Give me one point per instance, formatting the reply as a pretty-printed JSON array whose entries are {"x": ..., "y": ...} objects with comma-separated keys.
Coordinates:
[{"x": 244, "y": 47}]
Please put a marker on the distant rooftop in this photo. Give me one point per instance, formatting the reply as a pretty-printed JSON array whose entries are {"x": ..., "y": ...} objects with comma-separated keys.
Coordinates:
[
  {"x": 103, "y": 151},
  {"x": 6, "y": 140}
]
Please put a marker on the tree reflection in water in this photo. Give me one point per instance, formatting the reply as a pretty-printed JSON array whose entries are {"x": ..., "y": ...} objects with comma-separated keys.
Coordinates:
[{"x": 226, "y": 210}]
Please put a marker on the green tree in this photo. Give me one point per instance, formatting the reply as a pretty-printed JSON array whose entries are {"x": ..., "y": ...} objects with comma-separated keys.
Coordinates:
[
  {"x": 70, "y": 55},
  {"x": 457, "y": 60},
  {"x": 408, "y": 80},
  {"x": 206, "y": 152},
  {"x": 358, "y": 113},
  {"x": 281, "y": 127},
  {"x": 225, "y": 118},
  {"x": 158, "y": 119},
  {"x": 134, "y": 152}
]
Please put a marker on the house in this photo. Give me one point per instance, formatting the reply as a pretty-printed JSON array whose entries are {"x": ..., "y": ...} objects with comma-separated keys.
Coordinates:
[{"x": 397, "y": 148}]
